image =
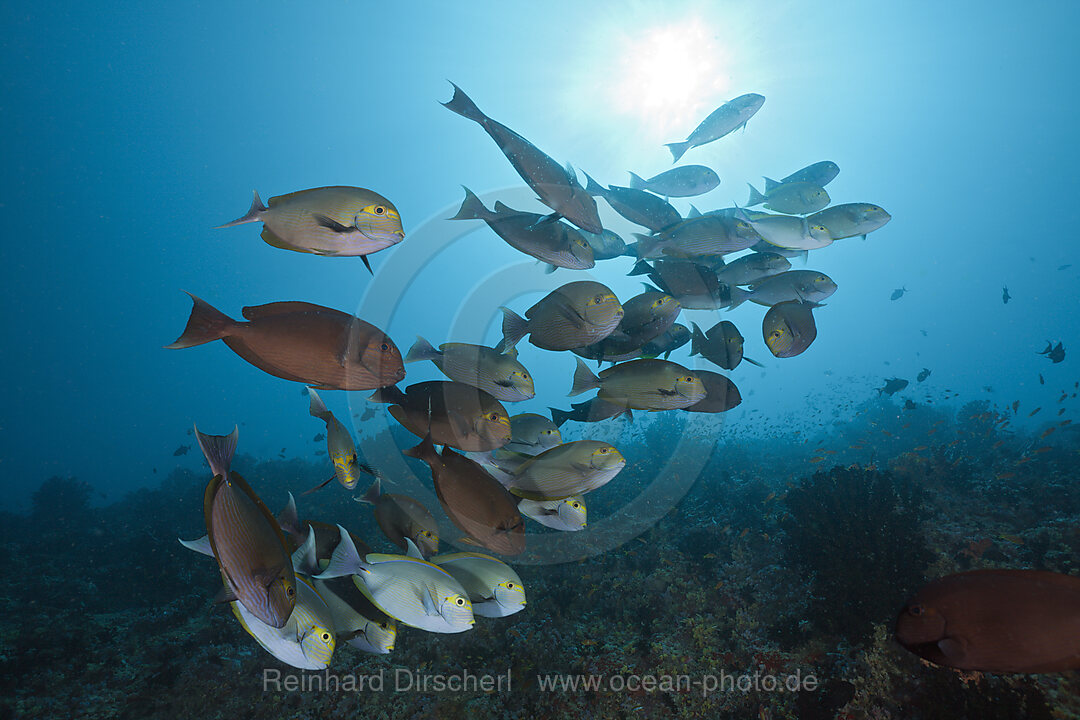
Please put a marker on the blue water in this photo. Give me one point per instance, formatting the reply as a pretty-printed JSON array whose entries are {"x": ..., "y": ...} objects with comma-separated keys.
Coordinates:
[{"x": 129, "y": 132}]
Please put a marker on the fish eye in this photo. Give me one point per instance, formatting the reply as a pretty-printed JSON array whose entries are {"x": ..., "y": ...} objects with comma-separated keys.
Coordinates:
[
  {"x": 509, "y": 586},
  {"x": 575, "y": 505},
  {"x": 916, "y": 610},
  {"x": 385, "y": 347},
  {"x": 604, "y": 451},
  {"x": 460, "y": 602},
  {"x": 325, "y": 637},
  {"x": 290, "y": 591},
  {"x": 380, "y": 210},
  {"x": 598, "y": 299}
]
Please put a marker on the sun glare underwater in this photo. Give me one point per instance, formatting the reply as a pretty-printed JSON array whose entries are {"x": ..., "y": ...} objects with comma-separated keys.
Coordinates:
[{"x": 697, "y": 360}]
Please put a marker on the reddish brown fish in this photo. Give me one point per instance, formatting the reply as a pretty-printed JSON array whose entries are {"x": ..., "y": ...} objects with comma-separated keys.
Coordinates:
[
  {"x": 1001, "y": 621},
  {"x": 473, "y": 500},
  {"x": 453, "y": 413},
  {"x": 299, "y": 341},
  {"x": 721, "y": 394}
]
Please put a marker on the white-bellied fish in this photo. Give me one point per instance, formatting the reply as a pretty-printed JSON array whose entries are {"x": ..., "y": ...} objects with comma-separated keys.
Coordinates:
[
  {"x": 302, "y": 342},
  {"x": 728, "y": 117},
  {"x": 245, "y": 538},
  {"x": 574, "y": 315},
  {"x": 473, "y": 500},
  {"x": 340, "y": 220},
  {"x": 566, "y": 515},
  {"x": 497, "y": 373},
  {"x": 307, "y": 641},
  {"x": 789, "y": 232},
  {"x": 453, "y": 413},
  {"x": 410, "y": 590},
  {"x": 400, "y": 517},
  {"x": 532, "y": 434},
  {"x": 685, "y": 181},
  {"x": 557, "y": 187},
  {"x": 566, "y": 470},
  {"x": 642, "y": 385},
  {"x": 494, "y": 589},
  {"x": 555, "y": 243}
]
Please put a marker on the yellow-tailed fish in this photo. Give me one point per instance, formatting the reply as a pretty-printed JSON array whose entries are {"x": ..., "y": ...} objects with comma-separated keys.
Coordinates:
[
  {"x": 497, "y": 373},
  {"x": 573, "y": 468},
  {"x": 411, "y": 590},
  {"x": 339, "y": 220},
  {"x": 567, "y": 515},
  {"x": 339, "y": 446},
  {"x": 401, "y": 517},
  {"x": 245, "y": 538},
  {"x": 494, "y": 589},
  {"x": 642, "y": 385}
]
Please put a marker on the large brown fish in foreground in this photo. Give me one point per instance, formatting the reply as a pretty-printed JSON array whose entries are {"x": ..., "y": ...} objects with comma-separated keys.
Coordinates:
[
  {"x": 1000, "y": 621},
  {"x": 326, "y": 349},
  {"x": 554, "y": 185},
  {"x": 245, "y": 539},
  {"x": 453, "y": 413},
  {"x": 473, "y": 500}
]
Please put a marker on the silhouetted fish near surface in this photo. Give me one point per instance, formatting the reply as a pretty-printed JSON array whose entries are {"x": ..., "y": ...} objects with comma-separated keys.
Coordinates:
[
  {"x": 819, "y": 173},
  {"x": 998, "y": 621},
  {"x": 302, "y": 342},
  {"x": 1005, "y": 296},
  {"x": 340, "y": 221},
  {"x": 554, "y": 185},
  {"x": 789, "y": 328},
  {"x": 685, "y": 181},
  {"x": 893, "y": 385},
  {"x": 923, "y": 374},
  {"x": 637, "y": 206},
  {"x": 728, "y": 117},
  {"x": 898, "y": 293},
  {"x": 182, "y": 450},
  {"x": 850, "y": 219}
]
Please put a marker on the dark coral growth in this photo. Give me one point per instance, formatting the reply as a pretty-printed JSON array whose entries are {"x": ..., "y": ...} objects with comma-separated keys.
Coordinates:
[{"x": 856, "y": 533}]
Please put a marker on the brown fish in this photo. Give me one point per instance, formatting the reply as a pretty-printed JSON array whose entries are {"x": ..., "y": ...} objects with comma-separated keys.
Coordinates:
[
  {"x": 401, "y": 517},
  {"x": 245, "y": 539},
  {"x": 327, "y": 535},
  {"x": 1000, "y": 621},
  {"x": 789, "y": 328},
  {"x": 572, "y": 316},
  {"x": 721, "y": 394},
  {"x": 473, "y": 500},
  {"x": 326, "y": 349},
  {"x": 721, "y": 345},
  {"x": 453, "y": 413}
]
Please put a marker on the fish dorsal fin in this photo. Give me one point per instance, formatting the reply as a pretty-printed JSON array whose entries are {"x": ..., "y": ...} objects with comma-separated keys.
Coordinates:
[
  {"x": 255, "y": 312},
  {"x": 452, "y": 557},
  {"x": 345, "y": 560},
  {"x": 304, "y": 560},
  {"x": 694, "y": 213},
  {"x": 501, "y": 207},
  {"x": 770, "y": 185},
  {"x": 411, "y": 550},
  {"x": 511, "y": 352},
  {"x": 289, "y": 518},
  {"x": 199, "y": 545}
]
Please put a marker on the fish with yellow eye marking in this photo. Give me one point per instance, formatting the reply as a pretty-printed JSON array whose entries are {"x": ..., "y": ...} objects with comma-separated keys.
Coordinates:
[
  {"x": 555, "y": 243},
  {"x": 722, "y": 345},
  {"x": 307, "y": 640},
  {"x": 401, "y": 517},
  {"x": 245, "y": 538},
  {"x": 453, "y": 413},
  {"x": 795, "y": 197},
  {"x": 721, "y": 394},
  {"x": 642, "y": 385},
  {"x": 494, "y": 589},
  {"x": 851, "y": 219},
  {"x": 339, "y": 220},
  {"x": 789, "y": 328},
  {"x": 339, "y": 446},
  {"x": 753, "y": 268},
  {"x": 412, "y": 591},
  {"x": 788, "y": 232},
  {"x": 572, "y": 316},
  {"x": 566, "y": 470},
  {"x": 796, "y": 285},
  {"x": 532, "y": 434},
  {"x": 496, "y": 373},
  {"x": 645, "y": 317},
  {"x": 567, "y": 515},
  {"x": 725, "y": 119}
]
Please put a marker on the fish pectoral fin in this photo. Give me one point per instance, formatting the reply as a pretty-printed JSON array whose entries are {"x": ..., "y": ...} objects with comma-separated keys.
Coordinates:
[
  {"x": 226, "y": 595},
  {"x": 955, "y": 649},
  {"x": 546, "y": 219},
  {"x": 504, "y": 383},
  {"x": 267, "y": 576},
  {"x": 323, "y": 484},
  {"x": 332, "y": 224},
  {"x": 466, "y": 540},
  {"x": 459, "y": 423},
  {"x": 429, "y": 603},
  {"x": 367, "y": 264}
]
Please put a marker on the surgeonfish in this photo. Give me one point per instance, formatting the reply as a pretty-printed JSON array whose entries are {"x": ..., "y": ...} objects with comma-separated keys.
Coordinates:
[
  {"x": 797, "y": 285},
  {"x": 307, "y": 641},
  {"x": 730, "y": 116},
  {"x": 684, "y": 181},
  {"x": 642, "y": 385},
  {"x": 850, "y": 219},
  {"x": 789, "y": 328},
  {"x": 566, "y": 470},
  {"x": 494, "y": 589},
  {"x": 453, "y": 413},
  {"x": 401, "y": 517},
  {"x": 568, "y": 514},
  {"x": 637, "y": 206},
  {"x": 340, "y": 221},
  {"x": 795, "y": 198},
  {"x": 245, "y": 538},
  {"x": 819, "y": 173},
  {"x": 721, "y": 394},
  {"x": 302, "y": 342},
  {"x": 532, "y": 434},
  {"x": 339, "y": 445},
  {"x": 497, "y": 373},
  {"x": 577, "y": 314}
]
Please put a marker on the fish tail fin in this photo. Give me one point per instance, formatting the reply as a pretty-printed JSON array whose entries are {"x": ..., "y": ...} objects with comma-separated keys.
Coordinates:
[
  {"x": 389, "y": 394},
  {"x": 425, "y": 449},
  {"x": 559, "y": 416},
  {"x": 584, "y": 379},
  {"x": 697, "y": 340},
  {"x": 373, "y": 493},
  {"x": 289, "y": 519},
  {"x": 344, "y": 561},
  {"x": 592, "y": 187},
  {"x": 472, "y": 208},
  {"x": 218, "y": 450},
  {"x": 304, "y": 559},
  {"x": 253, "y": 214},
  {"x": 677, "y": 150},
  {"x": 549, "y": 268},
  {"x": 694, "y": 212},
  {"x": 645, "y": 244},
  {"x": 317, "y": 408},
  {"x": 199, "y": 545},
  {"x": 637, "y": 182},
  {"x": 738, "y": 297},
  {"x": 756, "y": 198},
  {"x": 205, "y": 324},
  {"x": 463, "y": 105},
  {"x": 514, "y": 327},
  {"x": 640, "y": 268},
  {"x": 421, "y": 350}
]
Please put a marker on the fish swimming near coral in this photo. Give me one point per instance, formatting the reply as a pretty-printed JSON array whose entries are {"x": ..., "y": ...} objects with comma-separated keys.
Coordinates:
[
  {"x": 494, "y": 589},
  {"x": 893, "y": 385},
  {"x": 401, "y": 517},
  {"x": 302, "y": 342},
  {"x": 998, "y": 621},
  {"x": 340, "y": 221}
]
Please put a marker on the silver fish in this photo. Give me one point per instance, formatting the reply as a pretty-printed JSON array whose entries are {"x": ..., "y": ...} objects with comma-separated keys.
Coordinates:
[
  {"x": 730, "y": 116},
  {"x": 685, "y": 181}
]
